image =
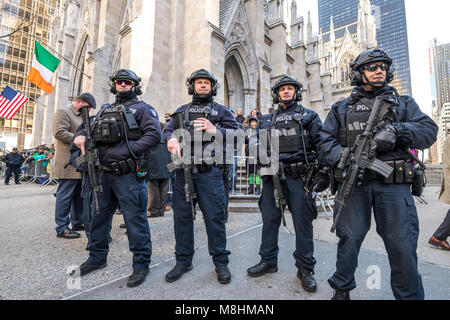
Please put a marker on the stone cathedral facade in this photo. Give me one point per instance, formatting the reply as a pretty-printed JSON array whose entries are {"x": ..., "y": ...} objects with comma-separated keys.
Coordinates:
[
  {"x": 247, "y": 44},
  {"x": 340, "y": 46}
]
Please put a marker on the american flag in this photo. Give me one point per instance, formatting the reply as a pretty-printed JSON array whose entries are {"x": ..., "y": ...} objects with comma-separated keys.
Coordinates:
[{"x": 10, "y": 102}]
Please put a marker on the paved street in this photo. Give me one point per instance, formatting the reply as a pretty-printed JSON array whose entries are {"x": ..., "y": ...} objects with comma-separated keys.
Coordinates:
[{"x": 34, "y": 263}]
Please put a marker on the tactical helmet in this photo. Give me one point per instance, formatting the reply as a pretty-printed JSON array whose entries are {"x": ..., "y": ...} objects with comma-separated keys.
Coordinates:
[
  {"x": 125, "y": 74},
  {"x": 286, "y": 80},
  {"x": 366, "y": 57},
  {"x": 202, "y": 74}
]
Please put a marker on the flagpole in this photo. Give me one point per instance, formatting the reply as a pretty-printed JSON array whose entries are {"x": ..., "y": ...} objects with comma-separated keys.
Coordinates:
[{"x": 63, "y": 58}]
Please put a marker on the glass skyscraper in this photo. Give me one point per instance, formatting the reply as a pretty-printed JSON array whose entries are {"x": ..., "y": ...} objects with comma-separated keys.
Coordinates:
[
  {"x": 21, "y": 22},
  {"x": 392, "y": 35}
]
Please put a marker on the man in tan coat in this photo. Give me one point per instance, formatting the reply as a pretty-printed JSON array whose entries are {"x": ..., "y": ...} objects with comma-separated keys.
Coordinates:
[
  {"x": 69, "y": 204},
  {"x": 439, "y": 239}
]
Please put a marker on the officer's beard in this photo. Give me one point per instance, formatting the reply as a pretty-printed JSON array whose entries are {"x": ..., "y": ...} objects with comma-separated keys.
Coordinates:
[
  {"x": 125, "y": 96},
  {"x": 289, "y": 102},
  {"x": 202, "y": 98}
]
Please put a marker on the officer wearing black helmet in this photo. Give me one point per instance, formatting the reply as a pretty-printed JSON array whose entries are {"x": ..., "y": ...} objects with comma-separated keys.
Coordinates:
[
  {"x": 295, "y": 180},
  {"x": 123, "y": 132},
  {"x": 206, "y": 117},
  {"x": 390, "y": 198}
]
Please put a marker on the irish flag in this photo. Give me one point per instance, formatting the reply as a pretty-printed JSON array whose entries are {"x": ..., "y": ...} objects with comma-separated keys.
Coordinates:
[{"x": 44, "y": 65}]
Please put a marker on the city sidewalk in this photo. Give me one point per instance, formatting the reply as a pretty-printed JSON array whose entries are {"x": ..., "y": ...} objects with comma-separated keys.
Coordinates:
[{"x": 35, "y": 264}]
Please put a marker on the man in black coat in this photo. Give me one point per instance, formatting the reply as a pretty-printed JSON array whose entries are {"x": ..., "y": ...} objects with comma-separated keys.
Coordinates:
[
  {"x": 158, "y": 179},
  {"x": 13, "y": 162}
]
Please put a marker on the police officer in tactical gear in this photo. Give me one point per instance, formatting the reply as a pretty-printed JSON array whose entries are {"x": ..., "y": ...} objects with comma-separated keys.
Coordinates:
[
  {"x": 390, "y": 198},
  {"x": 204, "y": 116},
  {"x": 298, "y": 130},
  {"x": 123, "y": 132}
]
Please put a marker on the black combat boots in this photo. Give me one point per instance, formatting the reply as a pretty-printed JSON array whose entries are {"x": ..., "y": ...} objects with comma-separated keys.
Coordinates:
[
  {"x": 341, "y": 295},
  {"x": 137, "y": 277},
  {"x": 87, "y": 267},
  {"x": 177, "y": 272},
  {"x": 261, "y": 269},
  {"x": 308, "y": 282},
  {"x": 223, "y": 274}
]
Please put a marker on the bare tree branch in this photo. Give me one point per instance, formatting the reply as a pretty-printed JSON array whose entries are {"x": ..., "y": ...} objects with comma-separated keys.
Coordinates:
[{"x": 22, "y": 26}]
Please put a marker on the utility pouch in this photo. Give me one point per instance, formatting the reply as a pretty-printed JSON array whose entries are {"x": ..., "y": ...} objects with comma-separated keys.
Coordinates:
[
  {"x": 409, "y": 173},
  {"x": 131, "y": 165},
  {"x": 123, "y": 167},
  {"x": 288, "y": 170},
  {"x": 399, "y": 171},
  {"x": 130, "y": 119},
  {"x": 115, "y": 168},
  {"x": 107, "y": 131}
]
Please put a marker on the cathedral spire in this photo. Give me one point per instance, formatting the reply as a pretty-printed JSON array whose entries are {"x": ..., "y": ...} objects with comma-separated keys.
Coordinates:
[
  {"x": 332, "y": 34},
  {"x": 309, "y": 32},
  {"x": 366, "y": 28},
  {"x": 293, "y": 11}
]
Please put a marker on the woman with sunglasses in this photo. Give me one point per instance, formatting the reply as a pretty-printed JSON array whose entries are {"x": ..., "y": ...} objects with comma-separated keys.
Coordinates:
[{"x": 390, "y": 198}]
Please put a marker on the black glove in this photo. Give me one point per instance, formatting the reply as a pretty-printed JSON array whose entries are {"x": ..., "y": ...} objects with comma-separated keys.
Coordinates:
[
  {"x": 385, "y": 139},
  {"x": 322, "y": 181}
]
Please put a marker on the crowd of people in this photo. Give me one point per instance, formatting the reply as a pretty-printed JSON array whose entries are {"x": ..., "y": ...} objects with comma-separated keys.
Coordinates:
[{"x": 22, "y": 164}]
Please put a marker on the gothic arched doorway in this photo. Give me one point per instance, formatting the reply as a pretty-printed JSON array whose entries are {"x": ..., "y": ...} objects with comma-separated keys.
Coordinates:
[{"x": 234, "y": 85}]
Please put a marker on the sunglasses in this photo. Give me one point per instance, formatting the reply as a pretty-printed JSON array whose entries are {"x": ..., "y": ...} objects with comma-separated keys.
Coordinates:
[
  {"x": 121, "y": 81},
  {"x": 374, "y": 67}
]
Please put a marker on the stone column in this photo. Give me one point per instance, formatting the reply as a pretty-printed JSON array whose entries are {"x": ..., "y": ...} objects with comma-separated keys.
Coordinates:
[{"x": 250, "y": 100}]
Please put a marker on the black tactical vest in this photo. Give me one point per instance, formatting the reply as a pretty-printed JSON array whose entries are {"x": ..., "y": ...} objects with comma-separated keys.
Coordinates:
[
  {"x": 114, "y": 123},
  {"x": 194, "y": 112},
  {"x": 356, "y": 120},
  {"x": 290, "y": 131}
]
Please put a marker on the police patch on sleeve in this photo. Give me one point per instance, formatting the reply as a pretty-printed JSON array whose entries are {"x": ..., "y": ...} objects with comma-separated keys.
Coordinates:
[{"x": 153, "y": 112}]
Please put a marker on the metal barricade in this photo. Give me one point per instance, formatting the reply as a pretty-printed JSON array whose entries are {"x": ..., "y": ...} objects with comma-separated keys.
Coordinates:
[
  {"x": 2, "y": 169},
  {"x": 244, "y": 179},
  {"x": 50, "y": 180},
  {"x": 28, "y": 174},
  {"x": 37, "y": 171},
  {"x": 325, "y": 200}
]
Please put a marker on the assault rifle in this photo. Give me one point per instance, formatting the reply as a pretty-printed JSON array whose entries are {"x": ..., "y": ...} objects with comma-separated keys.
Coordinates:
[
  {"x": 280, "y": 201},
  {"x": 357, "y": 159},
  {"x": 91, "y": 158},
  {"x": 189, "y": 169}
]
